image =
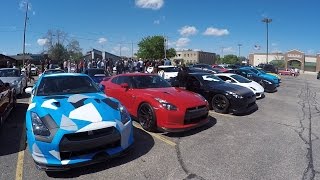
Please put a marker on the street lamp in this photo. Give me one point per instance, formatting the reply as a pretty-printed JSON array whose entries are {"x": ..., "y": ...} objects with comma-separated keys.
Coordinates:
[
  {"x": 267, "y": 21},
  {"x": 239, "y": 48}
]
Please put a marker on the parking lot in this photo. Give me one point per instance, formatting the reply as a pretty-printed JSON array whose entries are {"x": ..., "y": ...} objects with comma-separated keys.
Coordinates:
[{"x": 278, "y": 141}]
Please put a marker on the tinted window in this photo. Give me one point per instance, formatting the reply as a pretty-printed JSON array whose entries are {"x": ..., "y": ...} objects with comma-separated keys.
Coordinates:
[
  {"x": 93, "y": 72},
  {"x": 66, "y": 85},
  {"x": 152, "y": 81},
  {"x": 114, "y": 80},
  {"x": 124, "y": 79},
  {"x": 226, "y": 78},
  {"x": 240, "y": 79},
  {"x": 53, "y": 71},
  {"x": 255, "y": 71},
  {"x": 170, "y": 69},
  {"x": 209, "y": 79},
  {"x": 10, "y": 73}
]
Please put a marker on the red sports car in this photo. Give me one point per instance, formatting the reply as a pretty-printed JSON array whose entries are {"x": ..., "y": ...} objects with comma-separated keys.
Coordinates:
[{"x": 155, "y": 104}]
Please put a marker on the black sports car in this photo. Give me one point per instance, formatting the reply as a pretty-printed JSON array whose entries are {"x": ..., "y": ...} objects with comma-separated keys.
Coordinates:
[
  {"x": 97, "y": 74},
  {"x": 222, "y": 97},
  {"x": 266, "y": 84}
]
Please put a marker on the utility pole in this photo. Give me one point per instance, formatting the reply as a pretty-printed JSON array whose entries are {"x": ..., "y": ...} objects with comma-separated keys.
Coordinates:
[
  {"x": 24, "y": 34},
  {"x": 239, "y": 49},
  {"x": 165, "y": 46},
  {"x": 131, "y": 50},
  {"x": 267, "y": 21}
]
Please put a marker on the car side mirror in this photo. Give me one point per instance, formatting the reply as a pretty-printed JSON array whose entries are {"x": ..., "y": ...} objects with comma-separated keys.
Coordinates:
[
  {"x": 6, "y": 85},
  {"x": 125, "y": 85},
  {"x": 28, "y": 90},
  {"x": 228, "y": 81},
  {"x": 101, "y": 87}
]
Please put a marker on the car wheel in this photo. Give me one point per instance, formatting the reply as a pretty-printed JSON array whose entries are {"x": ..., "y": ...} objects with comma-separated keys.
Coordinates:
[
  {"x": 262, "y": 84},
  {"x": 146, "y": 117},
  {"x": 220, "y": 103}
]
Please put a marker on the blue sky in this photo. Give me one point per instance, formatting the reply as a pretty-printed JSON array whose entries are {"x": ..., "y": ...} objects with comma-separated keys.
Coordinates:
[{"x": 208, "y": 25}]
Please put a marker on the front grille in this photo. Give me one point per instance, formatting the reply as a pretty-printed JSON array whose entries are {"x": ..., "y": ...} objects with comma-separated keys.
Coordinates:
[
  {"x": 195, "y": 114},
  {"x": 90, "y": 135},
  {"x": 77, "y": 144}
]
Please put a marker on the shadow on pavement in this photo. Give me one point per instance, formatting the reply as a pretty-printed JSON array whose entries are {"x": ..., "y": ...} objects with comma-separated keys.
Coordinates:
[
  {"x": 211, "y": 123},
  {"x": 143, "y": 143},
  {"x": 12, "y": 130},
  {"x": 248, "y": 113}
]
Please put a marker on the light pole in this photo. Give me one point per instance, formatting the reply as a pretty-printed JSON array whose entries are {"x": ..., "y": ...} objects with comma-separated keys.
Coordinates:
[
  {"x": 267, "y": 21},
  {"x": 24, "y": 34},
  {"x": 239, "y": 48}
]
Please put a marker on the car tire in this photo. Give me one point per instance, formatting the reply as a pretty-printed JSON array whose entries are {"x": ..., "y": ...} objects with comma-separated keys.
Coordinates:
[
  {"x": 262, "y": 84},
  {"x": 220, "y": 103},
  {"x": 147, "y": 117}
]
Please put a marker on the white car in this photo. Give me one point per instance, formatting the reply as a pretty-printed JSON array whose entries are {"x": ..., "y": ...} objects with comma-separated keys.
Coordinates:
[
  {"x": 168, "y": 72},
  {"x": 242, "y": 81},
  {"x": 34, "y": 70}
]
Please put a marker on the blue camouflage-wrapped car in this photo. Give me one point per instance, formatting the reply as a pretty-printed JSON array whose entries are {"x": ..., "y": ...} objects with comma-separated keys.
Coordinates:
[{"x": 71, "y": 123}]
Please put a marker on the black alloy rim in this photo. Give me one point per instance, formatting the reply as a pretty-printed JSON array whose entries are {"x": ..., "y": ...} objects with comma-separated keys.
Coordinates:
[
  {"x": 220, "y": 103},
  {"x": 145, "y": 116}
]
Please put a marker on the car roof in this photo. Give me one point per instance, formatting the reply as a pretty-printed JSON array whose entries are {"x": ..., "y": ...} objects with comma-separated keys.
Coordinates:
[
  {"x": 63, "y": 74},
  {"x": 167, "y": 66},
  {"x": 9, "y": 68},
  {"x": 225, "y": 74}
]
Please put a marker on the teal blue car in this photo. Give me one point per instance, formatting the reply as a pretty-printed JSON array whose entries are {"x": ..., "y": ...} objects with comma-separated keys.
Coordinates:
[{"x": 269, "y": 77}]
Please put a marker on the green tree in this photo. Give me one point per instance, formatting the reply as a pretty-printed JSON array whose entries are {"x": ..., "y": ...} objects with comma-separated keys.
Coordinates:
[
  {"x": 153, "y": 47},
  {"x": 58, "y": 52},
  {"x": 230, "y": 59},
  {"x": 74, "y": 50},
  {"x": 171, "y": 53}
]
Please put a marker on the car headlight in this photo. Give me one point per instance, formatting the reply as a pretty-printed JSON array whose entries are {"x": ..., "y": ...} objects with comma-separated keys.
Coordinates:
[
  {"x": 201, "y": 97},
  {"x": 166, "y": 104},
  {"x": 125, "y": 116},
  {"x": 266, "y": 81},
  {"x": 14, "y": 83},
  {"x": 38, "y": 127},
  {"x": 234, "y": 94}
]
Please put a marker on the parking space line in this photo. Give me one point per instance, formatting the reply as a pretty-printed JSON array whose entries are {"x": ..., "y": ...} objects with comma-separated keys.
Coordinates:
[
  {"x": 219, "y": 114},
  {"x": 19, "y": 166},
  {"x": 161, "y": 138}
]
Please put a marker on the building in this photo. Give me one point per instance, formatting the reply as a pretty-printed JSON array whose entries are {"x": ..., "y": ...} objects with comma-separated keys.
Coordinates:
[
  {"x": 95, "y": 54},
  {"x": 194, "y": 57},
  {"x": 32, "y": 58},
  {"x": 4, "y": 59},
  {"x": 292, "y": 58}
]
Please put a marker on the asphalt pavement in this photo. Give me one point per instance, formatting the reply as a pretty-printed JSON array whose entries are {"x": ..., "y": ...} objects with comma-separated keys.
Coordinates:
[{"x": 280, "y": 140}]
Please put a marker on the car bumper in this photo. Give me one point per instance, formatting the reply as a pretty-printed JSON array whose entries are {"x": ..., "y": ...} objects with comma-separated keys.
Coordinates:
[
  {"x": 79, "y": 149},
  {"x": 238, "y": 106},
  {"x": 259, "y": 95},
  {"x": 98, "y": 158},
  {"x": 270, "y": 88},
  {"x": 182, "y": 120}
]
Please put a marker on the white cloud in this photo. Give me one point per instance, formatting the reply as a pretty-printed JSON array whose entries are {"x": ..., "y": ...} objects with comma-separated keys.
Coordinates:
[
  {"x": 156, "y": 22},
  {"x": 211, "y": 31},
  {"x": 228, "y": 50},
  {"x": 23, "y": 5},
  {"x": 310, "y": 51},
  {"x": 27, "y": 44},
  {"x": 274, "y": 44},
  {"x": 4, "y": 53},
  {"x": 42, "y": 41},
  {"x": 150, "y": 4},
  {"x": 116, "y": 49},
  {"x": 188, "y": 31},
  {"x": 182, "y": 42},
  {"x": 102, "y": 40},
  {"x": 33, "y": 13},
  {"x": 197, "y": 49}
]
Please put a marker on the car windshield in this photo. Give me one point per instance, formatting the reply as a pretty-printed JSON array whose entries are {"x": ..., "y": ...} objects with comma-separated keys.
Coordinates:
[
  {"x": 66, "y": 85},
  {"x": 240, "y": 79},
  {"x": 254, "y": 71},
  {"x": 169, "y": 69},
  {"x": 261, "y": 71},
  {"x": 93, "y": 72},
  {"x": 9, "y": 73},
  {"x": 210, "y": 79},
  {"x": 149, "y": 81}
]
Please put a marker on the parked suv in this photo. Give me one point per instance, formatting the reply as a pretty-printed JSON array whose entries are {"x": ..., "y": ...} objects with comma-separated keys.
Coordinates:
[{"x": 269, "y": 68}]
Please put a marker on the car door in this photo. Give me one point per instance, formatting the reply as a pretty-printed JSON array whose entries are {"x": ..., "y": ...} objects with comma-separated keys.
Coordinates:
[{"x": 194, "y": 85}]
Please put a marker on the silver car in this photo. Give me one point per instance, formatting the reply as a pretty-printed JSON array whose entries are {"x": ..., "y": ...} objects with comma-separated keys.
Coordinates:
[{"x": 14, "y": 77}]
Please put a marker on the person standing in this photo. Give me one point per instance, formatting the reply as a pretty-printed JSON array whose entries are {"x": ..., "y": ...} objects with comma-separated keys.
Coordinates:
[{"x": 42, "y": 66}]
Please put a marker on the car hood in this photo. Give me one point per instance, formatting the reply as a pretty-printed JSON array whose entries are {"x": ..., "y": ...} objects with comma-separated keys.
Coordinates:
[
  {"x": 231, "y": 87},
  {"x": 78, "y": 110},
  {"x": 254, "y": 86},
  {"x": 176, "y": 96},
  {"x": 269, "y": 77},
  {"x": 9, "y": 79}
]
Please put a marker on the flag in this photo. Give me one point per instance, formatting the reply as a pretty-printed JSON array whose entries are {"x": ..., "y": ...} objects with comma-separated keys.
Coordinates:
[{"x": 256, "y": 47}]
